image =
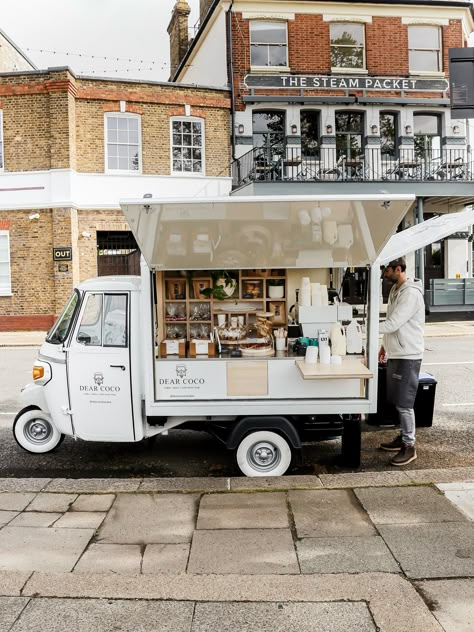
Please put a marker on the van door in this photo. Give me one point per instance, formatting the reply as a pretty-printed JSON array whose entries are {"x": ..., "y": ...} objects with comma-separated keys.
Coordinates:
[{"x": 98, "y": 363}]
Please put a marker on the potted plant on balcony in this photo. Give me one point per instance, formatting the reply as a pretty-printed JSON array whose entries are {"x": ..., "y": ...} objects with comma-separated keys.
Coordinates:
[
  {"x": 223, "y": 286},
  {"x": 276, "y": 288}
]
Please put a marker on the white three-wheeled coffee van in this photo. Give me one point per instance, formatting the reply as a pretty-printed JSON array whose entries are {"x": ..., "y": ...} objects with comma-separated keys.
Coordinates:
[{"x": 134, "y": 357}]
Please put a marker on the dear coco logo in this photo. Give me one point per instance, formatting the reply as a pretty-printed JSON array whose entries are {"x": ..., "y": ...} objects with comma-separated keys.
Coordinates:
[
  {"x": 99, "y": 386},
  {"x": 181, "y": 379}
]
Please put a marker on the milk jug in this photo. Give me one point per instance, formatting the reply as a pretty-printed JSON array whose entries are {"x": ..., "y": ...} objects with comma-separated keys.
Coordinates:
[
  {"x": 354, "y": 337},
  {"x": 338, "y": 340}
]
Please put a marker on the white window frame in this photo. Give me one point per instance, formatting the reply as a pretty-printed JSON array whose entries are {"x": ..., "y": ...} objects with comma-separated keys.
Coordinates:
[
  {"x": 349, "y": 69},
  {"x": 415, "y": 71},
  {"x": 2, "y": 160},
  {"x": 126, "y": 115},
  {"x": 267, "y": 68},
  {"x": 190, "y": 119},
  {"x": 7, "y": 289}
]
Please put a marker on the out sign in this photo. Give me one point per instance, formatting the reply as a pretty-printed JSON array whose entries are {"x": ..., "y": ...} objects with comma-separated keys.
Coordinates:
[{"x": 62, "y": 254}]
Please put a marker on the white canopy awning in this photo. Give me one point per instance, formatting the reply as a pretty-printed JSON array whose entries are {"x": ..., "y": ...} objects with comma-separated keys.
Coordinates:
[
  {"x": 264, "y": 232},
  {"x": 427, "y": 232}
]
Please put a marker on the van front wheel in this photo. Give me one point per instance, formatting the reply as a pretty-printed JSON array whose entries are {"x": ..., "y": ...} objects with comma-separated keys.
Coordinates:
[
  {"x": 263, "y": 453},
  {"x": 34, "y": 432}
]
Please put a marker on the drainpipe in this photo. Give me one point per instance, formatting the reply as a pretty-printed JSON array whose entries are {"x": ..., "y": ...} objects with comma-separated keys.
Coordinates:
[
  {"x": 420, "y": 254},
  {"x": 230, "y": 73}
]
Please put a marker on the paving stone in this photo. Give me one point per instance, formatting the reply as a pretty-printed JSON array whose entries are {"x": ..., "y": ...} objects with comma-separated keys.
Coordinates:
[
  {"x": 282, "y": 617},
  {"x": 183, "y": 484},
  {"x": 409, "y": 505},
  {"x": 41, "y": 549},
  {"x": 246, "y": 551},
  {"x": 329, "y": 513},
  {"x": 451, "y": 601},
  {"x": 165, "y": 558},
  {"x": 93, "y": 502},
  {"x": 441, "y": 475},
  {"x": 10, "y": 610},
  {"x": 7, "y": 516},
  {"x": 81, "y": 520},
  {"x": 364, "y": 479},
  {"x": 35, "y": 519},
  {"x": 150, "y": 519},
  {"x": 463, "y": 500},
  {"x": 460, "y": 486},
  {"x": 90, "y": 485},
  {"x": 432, "y": 550},
  {"x": 243, "y": 511},
  {"x": 362, "y": 554},
  {"x": 23, "y": 484},
  {"x": 86, "y": 615},
  {"x": 274, "y": 482},
  {"x": 110, "y": 558},
  {"x": 15, "y": 501},
  {"x": 51, "y": 502}
]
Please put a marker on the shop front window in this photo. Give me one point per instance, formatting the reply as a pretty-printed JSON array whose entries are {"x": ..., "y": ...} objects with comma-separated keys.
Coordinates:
[
  {"x": 309, "y": 124},
  {"x": 269, "y": 131},
  {"x": 349, "y": 134},
  {"x": 347, "y": 46}
]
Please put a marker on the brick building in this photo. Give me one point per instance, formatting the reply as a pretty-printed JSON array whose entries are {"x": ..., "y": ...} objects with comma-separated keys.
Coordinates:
[
  {"x": 70, "y": 148},
  {"x": 342, "y": 97}
]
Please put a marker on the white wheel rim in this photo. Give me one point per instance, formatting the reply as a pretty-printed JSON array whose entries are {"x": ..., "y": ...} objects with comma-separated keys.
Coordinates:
[
  {"x": 37, "y": 431},
  {"x": 264, "y": 456}
]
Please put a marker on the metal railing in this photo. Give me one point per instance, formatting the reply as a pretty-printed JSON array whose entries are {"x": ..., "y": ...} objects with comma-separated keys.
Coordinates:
[{"x": 277, "y": 163}]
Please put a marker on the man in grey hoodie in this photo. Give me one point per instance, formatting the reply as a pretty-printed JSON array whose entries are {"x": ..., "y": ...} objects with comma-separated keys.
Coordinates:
[{"x": 402, "y": 348}]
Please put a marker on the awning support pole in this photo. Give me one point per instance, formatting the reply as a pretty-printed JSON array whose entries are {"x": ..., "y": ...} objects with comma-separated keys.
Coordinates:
[{"x": 420, "y": 254}]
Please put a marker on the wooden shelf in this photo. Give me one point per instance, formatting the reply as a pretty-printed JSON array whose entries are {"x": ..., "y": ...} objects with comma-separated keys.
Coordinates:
[{"x": 349, "y": 369}]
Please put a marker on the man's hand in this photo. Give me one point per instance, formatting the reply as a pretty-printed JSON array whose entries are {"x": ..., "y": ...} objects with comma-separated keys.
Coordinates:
[{"x": 382, "y": 356}]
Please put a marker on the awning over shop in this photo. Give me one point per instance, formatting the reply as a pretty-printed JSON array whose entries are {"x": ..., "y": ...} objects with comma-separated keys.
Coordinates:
[
  {"x": 428, "y": 232},
  {"x": 264, "y": 232}
]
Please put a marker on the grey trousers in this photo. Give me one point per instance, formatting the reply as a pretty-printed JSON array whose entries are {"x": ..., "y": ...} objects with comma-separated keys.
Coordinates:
[{"x": 407, "y": 425}]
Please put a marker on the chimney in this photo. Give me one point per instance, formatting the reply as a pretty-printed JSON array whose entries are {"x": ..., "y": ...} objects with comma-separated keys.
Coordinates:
[
  {"x": 203, "y": 8},
  {"x": 178, "y": 32}
]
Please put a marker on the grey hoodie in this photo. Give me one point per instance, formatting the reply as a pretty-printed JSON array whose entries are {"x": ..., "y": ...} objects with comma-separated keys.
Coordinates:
[{"x": 403, "y": 329}]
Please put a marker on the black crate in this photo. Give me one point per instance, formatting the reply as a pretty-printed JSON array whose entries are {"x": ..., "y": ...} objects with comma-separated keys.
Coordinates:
[{"x": 386, "y": 414}]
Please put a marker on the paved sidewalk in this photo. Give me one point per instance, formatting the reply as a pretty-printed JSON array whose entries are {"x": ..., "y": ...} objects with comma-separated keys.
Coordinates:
[{"x": 388, "y": 551}]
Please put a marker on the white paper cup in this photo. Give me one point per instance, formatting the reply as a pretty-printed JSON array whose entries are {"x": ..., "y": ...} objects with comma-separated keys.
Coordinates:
[
  {"x": 311, "y": 356},
  {"x": 336, "y": 359},
  {"x": 280, "y": 344}
]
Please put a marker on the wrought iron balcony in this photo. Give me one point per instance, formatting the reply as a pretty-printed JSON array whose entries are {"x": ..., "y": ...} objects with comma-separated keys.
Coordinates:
[{"x": 278, "y": 164}]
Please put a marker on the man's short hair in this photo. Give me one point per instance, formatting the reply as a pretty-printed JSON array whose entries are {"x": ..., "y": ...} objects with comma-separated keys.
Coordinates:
[{"x": 398, "y": 262}]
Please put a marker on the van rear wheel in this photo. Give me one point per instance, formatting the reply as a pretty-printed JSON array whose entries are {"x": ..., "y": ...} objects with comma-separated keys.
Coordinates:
[
  {"x": 263, "y": 453},
  {"x": 34, "y": 431}
]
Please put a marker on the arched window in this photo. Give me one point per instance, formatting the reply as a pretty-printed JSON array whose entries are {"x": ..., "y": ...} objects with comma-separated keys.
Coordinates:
[
  {"x": 310, "y": 132},
  {"x": 389, "y": 134},
  {"x": 268, "y": 129},
  {"x": 350, "y": 134},
  {"x": 427, "y": 132}
]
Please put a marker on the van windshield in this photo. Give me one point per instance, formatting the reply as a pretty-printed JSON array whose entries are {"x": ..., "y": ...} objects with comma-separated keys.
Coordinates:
[{"x": 59, "y": 331}]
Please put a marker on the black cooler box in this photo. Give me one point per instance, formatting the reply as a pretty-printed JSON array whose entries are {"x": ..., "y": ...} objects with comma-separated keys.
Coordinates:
[{"x": 386, "y": 414}]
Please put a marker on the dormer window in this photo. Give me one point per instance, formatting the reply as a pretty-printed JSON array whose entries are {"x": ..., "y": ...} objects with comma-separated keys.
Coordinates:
[
  {"x": 268, "y": 43},
  {"x": 347, "y": 45}
]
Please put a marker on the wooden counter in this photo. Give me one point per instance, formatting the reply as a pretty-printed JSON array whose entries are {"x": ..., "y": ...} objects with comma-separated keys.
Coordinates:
[{"x": 349, "y": 369}]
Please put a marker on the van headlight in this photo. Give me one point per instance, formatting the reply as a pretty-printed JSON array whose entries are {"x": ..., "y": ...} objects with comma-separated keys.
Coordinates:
[{"x": 41, "y": 373}]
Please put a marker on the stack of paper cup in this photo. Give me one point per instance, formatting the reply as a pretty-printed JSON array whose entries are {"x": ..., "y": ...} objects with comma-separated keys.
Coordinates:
[
  {"x": 311, "y": 356},
  {"x": 324, "y": 295},
  {"x": 304, "y": 298},
  {"x": 316, "y": 294},
  {"x": 324, "y": 354}
]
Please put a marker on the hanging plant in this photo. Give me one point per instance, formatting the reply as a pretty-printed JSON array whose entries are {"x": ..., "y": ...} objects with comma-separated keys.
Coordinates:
[{"x": 223, "y": 286}]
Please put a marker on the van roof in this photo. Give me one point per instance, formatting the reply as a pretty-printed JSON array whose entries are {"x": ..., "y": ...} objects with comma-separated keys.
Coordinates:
[{"x": 111, "y": 283}]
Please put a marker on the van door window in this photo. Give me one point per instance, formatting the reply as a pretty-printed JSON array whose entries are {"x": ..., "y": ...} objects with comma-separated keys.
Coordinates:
[
  {"x": 90, "y": 328},
  {"x": 115, "y": 320}
]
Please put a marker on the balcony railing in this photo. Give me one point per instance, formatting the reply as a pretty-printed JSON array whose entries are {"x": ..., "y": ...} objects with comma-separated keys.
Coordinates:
[{"x": 277, "y": 164}]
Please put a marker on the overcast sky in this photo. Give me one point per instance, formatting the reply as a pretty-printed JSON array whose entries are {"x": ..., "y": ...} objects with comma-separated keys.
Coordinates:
[{"x": 134, "y": 31}]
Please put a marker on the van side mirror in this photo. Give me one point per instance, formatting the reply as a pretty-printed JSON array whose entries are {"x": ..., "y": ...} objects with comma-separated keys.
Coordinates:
[{"x": 83, "y": 338}]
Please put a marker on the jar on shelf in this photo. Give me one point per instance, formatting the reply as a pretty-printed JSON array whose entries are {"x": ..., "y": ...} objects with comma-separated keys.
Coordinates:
[{"x": 259, "y": 338}]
